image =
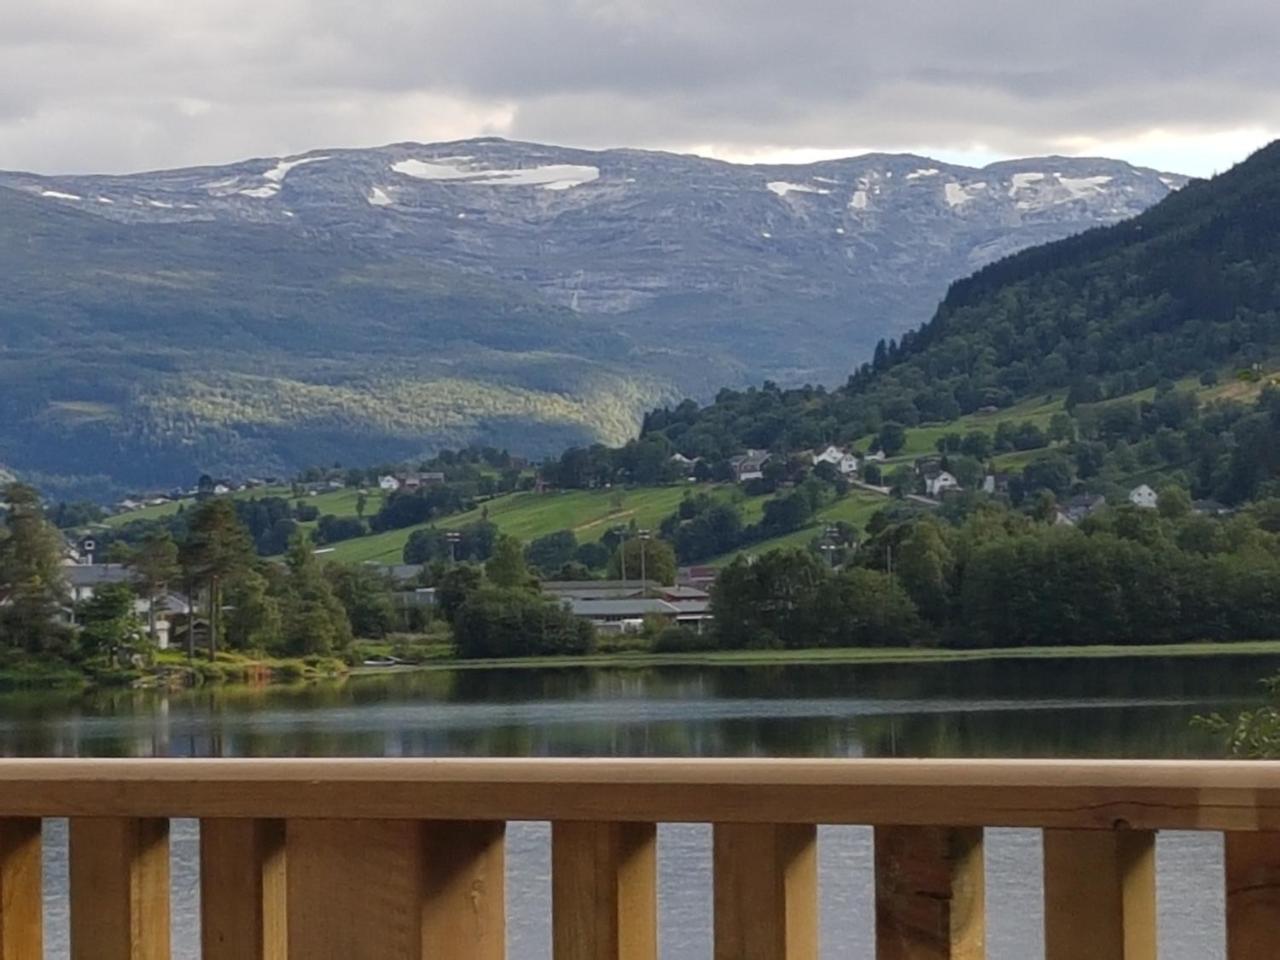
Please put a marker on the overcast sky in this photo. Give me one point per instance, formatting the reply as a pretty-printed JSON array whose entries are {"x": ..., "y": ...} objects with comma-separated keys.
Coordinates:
[{"x": 121, "y": 85}]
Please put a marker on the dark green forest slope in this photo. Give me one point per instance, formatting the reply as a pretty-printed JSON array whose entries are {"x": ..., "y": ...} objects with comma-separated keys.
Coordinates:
[{"x": 1191, "y": 286}]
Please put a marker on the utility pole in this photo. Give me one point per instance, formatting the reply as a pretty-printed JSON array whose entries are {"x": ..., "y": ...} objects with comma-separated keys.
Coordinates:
[
  {"x": 644, "y": 577},
  {"x": 454, "y": 538}
]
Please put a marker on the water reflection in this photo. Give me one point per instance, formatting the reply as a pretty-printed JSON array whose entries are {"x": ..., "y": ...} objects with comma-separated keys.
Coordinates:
[{"x": 1052, "y": 708}]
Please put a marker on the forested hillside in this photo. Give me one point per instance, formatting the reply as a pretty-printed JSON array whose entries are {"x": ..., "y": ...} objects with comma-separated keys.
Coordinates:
[{"x": 1191, "y": 287}]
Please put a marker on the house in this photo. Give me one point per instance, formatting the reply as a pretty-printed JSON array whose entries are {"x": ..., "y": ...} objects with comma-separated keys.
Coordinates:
[
  {"x": 702, "y": 577},
  {"x": 593, "y": 590},
  {"x": 1082, "y": 506},
  {"x": 936, "y": 484},
  {"x": 1144, "y": 497},
  {"x": 996, "y": 483},
  {"x": 1210, "y": 508},
  {"x": 750, "y": 465},
  {"x": 684, "y": 461},
  {"x": 388, "y": 484},
  {"x": 876, "y": 456},
  {"x": 842, "y": 460},
  {"x": 415, "y": 481},
  {"x": 85, "y": 579},
  {"x": 628, "y": 616},
  {"x": 400, "y": 573}
]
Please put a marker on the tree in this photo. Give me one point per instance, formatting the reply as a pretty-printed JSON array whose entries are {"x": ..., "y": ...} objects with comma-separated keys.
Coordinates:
[
  {"x": 155, "y": 566},
  {"x": 654, "y": 559},
  {"x": 506, "y": 568},
  {"x": 1174, "y": 503},
  {"x": 499, "y": 622},
  {"x": 314, "y": 619},
  {"x": 552, "y": 551},
  {"x": 366, "y": 597},
  {"x": 31, "y": 571},
  {"x": 892, "y": 438},
  {"x": 218, "y": 546},
  {"x": 926, "y": 565},
  {"x": 108, "y": 622}
]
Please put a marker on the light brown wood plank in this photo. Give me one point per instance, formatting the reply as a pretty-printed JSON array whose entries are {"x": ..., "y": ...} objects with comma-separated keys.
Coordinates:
[
  {"x": 930, "y": 894},
  {"x": 395, "y": 890},
  {"x": 1253, "y": 895},
  {"x": 604, "y": 891},
  {"x": 242, "y": 889},
  {"x": 21, "y": 910},
  {"x": 355, "y": 889},
  {"x": 464, "y": 916},
  {"x": 766, "y": 892},
  {"x": 119, "y": 889},
  {"x": 1094, "y": 795},
  {"x": 1100, "y": 895}
]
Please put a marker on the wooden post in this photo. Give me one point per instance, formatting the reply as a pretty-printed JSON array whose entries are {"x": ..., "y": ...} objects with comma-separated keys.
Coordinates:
[
  {"x": 21, "y": 906},
  {"x": 242, "y": 889},
  {"x": 1100, "y": 895},
  {"x": 604, "y": 891},
  {"x": 930, "y": 894},
  {"x": 1253, "y": 895},
  {"x": 119, "y": 889},
  {"x": 766, "y": 892},
  {"x": 395, "y": 890}
]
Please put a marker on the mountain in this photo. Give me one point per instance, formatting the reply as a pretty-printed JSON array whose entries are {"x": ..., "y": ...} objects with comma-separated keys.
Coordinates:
[
  {"x": 1190, "y": 287},
  {"x": 364, "y": 304}
]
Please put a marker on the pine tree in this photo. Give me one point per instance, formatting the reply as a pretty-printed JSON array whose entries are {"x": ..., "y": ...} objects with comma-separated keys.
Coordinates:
[
  {"x": 218, "y": 546},
  {"x": 31, "y": 572}
]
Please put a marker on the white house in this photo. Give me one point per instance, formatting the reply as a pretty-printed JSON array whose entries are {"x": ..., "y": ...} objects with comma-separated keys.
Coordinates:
[
  {"x": 876, "y": 457},
  {"x": 1144, "y": 497},
  {"x": 388, "y": 484},
  {"x": 750, "y": 465},
  {"x": 842, "y": 460},
  {"x": 936, "y": 484}
]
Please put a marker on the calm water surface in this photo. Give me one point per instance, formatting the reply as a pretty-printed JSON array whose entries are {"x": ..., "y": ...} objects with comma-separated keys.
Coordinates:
[{"x": 1035, "y": 708}]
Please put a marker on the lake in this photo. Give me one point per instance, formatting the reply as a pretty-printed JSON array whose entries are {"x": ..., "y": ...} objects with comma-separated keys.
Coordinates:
[{"x": 1073, "y": 707}]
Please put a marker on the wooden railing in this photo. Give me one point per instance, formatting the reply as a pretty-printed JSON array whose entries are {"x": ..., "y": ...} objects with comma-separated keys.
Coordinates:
[{"x": 384, "y": 860}]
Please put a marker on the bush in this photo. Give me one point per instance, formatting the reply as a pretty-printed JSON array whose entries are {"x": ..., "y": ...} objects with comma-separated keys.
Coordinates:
[
  {"x": 500, "y": 622},
  {"x": 677, "y": 639}
]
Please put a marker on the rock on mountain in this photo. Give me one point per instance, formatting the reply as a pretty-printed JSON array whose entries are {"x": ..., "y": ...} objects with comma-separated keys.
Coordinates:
[{"x": 358, "y": 303}]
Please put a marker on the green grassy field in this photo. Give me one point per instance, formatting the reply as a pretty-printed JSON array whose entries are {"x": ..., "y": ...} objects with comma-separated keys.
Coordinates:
[
  {"x": 924, "y": 439},
  {"x": 527, "y": 516},
  {"x": 857, "y": 508},
  {"x": 169, "y": 509}
]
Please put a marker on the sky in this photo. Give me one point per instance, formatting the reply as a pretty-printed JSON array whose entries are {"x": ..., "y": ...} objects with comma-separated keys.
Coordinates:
[{"x": 1190, "y": 86}]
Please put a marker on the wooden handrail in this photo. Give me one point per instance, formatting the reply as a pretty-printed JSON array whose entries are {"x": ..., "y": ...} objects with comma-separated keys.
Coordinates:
[
  {"x": 1083, "y": 795},
  {"x": 285, "y": 843}
]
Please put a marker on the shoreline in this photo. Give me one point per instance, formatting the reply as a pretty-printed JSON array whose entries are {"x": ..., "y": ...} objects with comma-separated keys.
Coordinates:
[{"x": 820, "y": 657}]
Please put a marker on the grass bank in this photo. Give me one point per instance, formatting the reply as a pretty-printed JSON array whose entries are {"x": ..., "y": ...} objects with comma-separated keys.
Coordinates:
[{"x": 747, "y": 658}]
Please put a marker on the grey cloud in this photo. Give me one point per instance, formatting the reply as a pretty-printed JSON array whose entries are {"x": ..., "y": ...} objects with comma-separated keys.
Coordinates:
[{"x": 120, "y": 84}]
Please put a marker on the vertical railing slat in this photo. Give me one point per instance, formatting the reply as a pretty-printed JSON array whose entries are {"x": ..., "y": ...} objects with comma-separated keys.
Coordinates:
[
  {"x": 21, "y": 909},
  {"x": 930, "y": 894},
  {"x": 1253, "y": 895},
  {"x": 604, "y": 891},
  {"x": 395, "y": 890},
  {"x": 119, "y": 889},
  {"x": 465, "y": 913},
  {"x": 1100, "y": 895},
  {"x": 242, "y": 889},
  {"x": 766, "y": 892}
]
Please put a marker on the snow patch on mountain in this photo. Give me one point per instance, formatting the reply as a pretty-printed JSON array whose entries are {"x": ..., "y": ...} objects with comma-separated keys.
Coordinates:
[
  {"x": 1081, "y": 187},
  {"x": 558, "y": 176},
  {"x": 59, "y": 195},
  {"x": 379, "y": 198},
  {"x": 922, "y": 174},
  {"x": 281, "y": 170},
  {"x": 783, "y": 187}
]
